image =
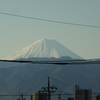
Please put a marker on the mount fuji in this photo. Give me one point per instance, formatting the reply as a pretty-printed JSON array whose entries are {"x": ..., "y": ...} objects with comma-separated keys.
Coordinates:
[{"x": 44, "y": 48}]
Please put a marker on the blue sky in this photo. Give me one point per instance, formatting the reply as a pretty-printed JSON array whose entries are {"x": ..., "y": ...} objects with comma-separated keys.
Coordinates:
[{"x": 17, "y": 33}]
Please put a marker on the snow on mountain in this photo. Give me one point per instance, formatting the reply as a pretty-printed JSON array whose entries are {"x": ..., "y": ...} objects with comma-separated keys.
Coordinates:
[{"x": 43, "y": 48}]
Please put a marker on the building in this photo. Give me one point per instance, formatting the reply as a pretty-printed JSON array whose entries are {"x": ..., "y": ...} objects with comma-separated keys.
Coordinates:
[
  {"x": 98, "y": 97},
  {"x": 82, "y": 94},
  {"x": 38, "y": 96},
  {"x": 70, "y": 98}
]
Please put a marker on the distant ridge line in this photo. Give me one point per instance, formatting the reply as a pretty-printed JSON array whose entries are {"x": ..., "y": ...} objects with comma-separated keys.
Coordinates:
[{"x": 60, "y": 62}]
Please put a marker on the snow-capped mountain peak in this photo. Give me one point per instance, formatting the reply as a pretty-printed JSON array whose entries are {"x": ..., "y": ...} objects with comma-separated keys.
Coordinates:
[{"x": 43, "y": 48}]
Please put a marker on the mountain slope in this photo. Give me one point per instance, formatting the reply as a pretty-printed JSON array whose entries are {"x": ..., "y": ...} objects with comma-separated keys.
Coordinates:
[
  {"x": 30, "y": 78},
  {"x": 44, "y": 48}
]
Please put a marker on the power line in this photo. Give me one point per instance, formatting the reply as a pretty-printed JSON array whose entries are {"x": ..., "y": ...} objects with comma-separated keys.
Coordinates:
[
  {"x": 47, "y": 20},
  {"x": 61, "y": 82},
  {"x": 35, "y": 95}
]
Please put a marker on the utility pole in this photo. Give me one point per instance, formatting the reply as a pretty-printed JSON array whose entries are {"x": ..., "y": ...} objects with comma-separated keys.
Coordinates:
[
  {"x": 22, "y": 96},
  {"x": 49, "y": 95},
  {"x": 49, "y": 89},
  {"x": 59, "y": 96}
]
